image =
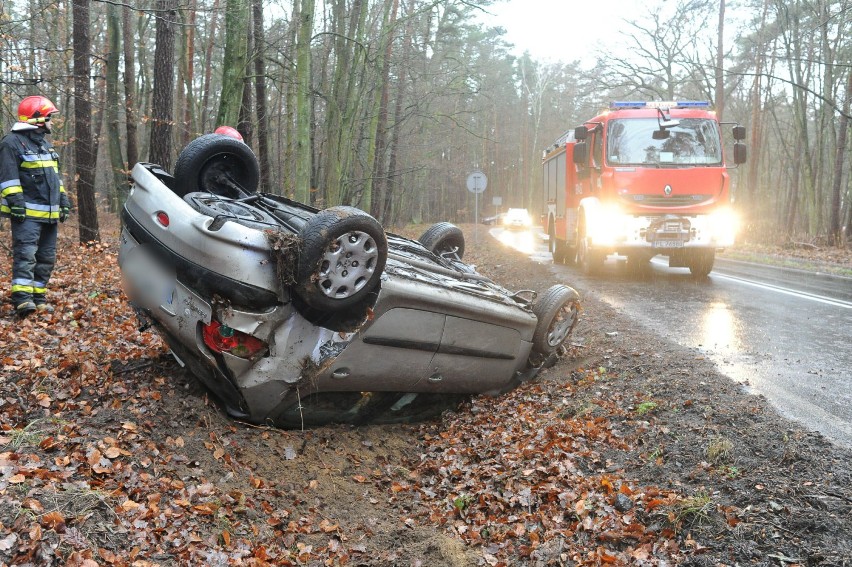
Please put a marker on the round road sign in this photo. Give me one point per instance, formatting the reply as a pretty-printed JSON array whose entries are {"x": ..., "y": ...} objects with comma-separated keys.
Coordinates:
[{"x": 476, "y": 182}]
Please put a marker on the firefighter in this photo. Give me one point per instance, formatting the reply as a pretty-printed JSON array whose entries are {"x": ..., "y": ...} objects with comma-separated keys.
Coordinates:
[{"x": 34, "y": 197}]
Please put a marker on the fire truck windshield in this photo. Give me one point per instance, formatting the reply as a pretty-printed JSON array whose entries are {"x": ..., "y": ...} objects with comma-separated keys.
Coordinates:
[{"x": 694, "y": 141}]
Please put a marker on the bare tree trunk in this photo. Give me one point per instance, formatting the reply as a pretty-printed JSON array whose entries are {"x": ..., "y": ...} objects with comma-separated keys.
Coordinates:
[
  {"x": 85, "y": 157},
  {"x": 288, "y": 171},
  {"x": 208, "y": 68},
  {"x": 260, "y": 95},
  {"x": 834, "y": 228},
  {"x": 130, "y": 88},
  {"x": 162, "y": 112},
  {"x": 380, "y": 173},
  {"x": 390, "y": 183},
  {"x": 234, "y": 63},
  {"x": 720, "y": 63},
  {"x": 756, "y": 117},
  {"x": 244, "y": 123},
  {"x": 303, "y": 102},
  {"x": 188, "y": 73},
  {"x": 118, "y": 191}
]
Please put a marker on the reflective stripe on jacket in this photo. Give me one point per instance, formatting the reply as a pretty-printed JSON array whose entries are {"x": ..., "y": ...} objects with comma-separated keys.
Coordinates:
[{"x": 29, "y": 166}]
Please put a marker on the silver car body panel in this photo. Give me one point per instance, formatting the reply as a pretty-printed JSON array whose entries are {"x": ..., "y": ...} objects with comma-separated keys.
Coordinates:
[
  {"x": 428, "y": 332},
  {"x": 233, "y": 249}
]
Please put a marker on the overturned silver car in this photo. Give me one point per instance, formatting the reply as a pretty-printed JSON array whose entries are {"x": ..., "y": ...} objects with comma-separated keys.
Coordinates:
[{"x": 297, "y": 317}]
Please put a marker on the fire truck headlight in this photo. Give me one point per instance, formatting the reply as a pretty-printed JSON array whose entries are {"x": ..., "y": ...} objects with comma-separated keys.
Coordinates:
[
  {"x": 606, "y": 225},
  {"x": 723, "y": 226}
]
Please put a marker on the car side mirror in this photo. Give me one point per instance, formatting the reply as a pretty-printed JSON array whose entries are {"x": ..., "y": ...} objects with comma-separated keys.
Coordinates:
[
  {"x": 580, "y": 133},
  {"x": 581, "y": 153},
  {"x": 740, "y": 153},
  {"x": 739, "y": 133}
]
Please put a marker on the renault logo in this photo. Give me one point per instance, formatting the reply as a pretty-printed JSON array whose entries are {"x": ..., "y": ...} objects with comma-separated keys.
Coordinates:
[{"x": 667, "y": 190}]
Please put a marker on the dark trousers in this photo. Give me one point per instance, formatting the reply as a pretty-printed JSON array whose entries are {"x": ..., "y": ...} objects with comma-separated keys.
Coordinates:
[{"x": 33, "y": 258}]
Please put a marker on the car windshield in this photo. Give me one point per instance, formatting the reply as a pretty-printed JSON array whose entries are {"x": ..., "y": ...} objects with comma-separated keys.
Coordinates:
[{"x": 694, "y": 141}]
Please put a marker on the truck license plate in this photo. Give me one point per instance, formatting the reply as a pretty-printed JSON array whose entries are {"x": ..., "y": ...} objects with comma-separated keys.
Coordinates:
[{"x": 668, "y": 244}]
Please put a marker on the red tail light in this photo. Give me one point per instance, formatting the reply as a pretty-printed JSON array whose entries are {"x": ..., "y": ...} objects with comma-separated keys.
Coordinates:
[
  {"x": 221, "y": 338},
  {"x": 163, "y": 218}
]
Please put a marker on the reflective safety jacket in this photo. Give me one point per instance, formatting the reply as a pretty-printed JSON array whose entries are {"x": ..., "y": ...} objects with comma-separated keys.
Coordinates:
[{"x": 29, "y": 166}]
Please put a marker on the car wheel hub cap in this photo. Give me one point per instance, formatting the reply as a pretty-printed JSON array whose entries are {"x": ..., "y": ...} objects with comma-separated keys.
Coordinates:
[
  {"x": 562, "y": 325},
  {"x": 348, "y": 264}
]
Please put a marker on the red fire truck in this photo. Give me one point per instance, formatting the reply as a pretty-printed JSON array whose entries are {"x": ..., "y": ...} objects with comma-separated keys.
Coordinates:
[{"x": 641, "y": 179}]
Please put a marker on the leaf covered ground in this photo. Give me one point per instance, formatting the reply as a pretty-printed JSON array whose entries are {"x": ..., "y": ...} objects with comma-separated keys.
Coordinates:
[{"x": 630, "y": 451}]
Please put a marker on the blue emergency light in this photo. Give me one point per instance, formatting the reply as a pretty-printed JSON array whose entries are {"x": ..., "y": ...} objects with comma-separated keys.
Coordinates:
[{"x": 622, "y": 104}]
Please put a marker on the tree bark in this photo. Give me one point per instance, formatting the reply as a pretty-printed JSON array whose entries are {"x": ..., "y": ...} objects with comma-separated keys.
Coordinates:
[
  {"x": 188, "y": 74},
  {"x": 834, "y": 226},
  {"x": 208, "y": 68},
  {"x": 130, "y": 88},
  {"x": 234, "y": 63},
  {"x": 260, "y": 95},
  {"x": 720, "y": 63},
  {"x": 244, "y": 123},
  {"x": 118, "y": 192},
  {"x": 162, "y": 112},
  {"x": 303, "y": 102},
  {"x": 85, "y": 157},
  {"x": 377, "y": 184}
]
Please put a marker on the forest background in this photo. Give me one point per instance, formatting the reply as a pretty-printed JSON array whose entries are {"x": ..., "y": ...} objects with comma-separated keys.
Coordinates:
[{"x": 388, "y": 105}]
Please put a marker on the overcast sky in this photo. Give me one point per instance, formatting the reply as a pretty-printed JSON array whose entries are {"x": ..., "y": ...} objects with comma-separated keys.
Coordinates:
[{"x": 563, "y": 30}]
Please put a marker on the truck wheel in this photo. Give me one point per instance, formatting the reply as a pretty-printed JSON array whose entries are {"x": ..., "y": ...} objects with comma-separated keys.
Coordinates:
[
  {"x": 701, "y": 263},
  {"x": 562, "y": 253},
  {"x": 444, "y": 239},
  {"x": 344, "y": 251},
  {"x": 218, "y": 164},
  {"x": 556, "y": 310},
  {"x": 638, "y": 263},
  {"x": 240, "y": 213},
  {"x": 590, "y": 260}
]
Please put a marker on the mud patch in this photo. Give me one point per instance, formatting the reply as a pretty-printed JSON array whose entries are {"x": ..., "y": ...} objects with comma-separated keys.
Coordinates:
[{"x": 285, "y": 247}]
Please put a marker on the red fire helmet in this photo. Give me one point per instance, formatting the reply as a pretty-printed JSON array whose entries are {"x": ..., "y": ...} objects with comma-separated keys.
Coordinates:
[
  {"x": 228, "y": 131},
  {"x": 36, "y": 109}
]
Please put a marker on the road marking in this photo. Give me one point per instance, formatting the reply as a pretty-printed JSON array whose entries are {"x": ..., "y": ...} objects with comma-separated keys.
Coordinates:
[{"x": 788, "y": 291}]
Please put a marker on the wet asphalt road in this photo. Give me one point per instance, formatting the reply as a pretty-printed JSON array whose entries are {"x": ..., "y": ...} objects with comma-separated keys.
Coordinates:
[{"x": 785, "y": 334}]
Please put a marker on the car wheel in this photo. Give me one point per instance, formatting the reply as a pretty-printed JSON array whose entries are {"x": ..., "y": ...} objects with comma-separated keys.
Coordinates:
[
  {"x": 344, "y": 251},
  {"x": 240, "y": 213},
  {"x": 217, "y": 164},
  {"x": 557, "y": 311},
  {"x": 444, "y": 239},
  {"x": 701, "y": 263}
]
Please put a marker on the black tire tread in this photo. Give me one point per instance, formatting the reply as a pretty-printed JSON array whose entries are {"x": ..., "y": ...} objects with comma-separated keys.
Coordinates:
[
  {"x": 545, "y": 309},
  {"x": 198, "y": 152},
  {"x": 442, "y": 233}
]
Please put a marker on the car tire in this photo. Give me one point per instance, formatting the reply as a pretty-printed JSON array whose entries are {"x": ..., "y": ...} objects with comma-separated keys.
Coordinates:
[
  {"x": 557, "y": 310},
  {"x": 444, "y": 239},
  {"x": 235, "y": 211},
  {"x": 218, "y": 164},
  {"x": 343, "y": 254}
]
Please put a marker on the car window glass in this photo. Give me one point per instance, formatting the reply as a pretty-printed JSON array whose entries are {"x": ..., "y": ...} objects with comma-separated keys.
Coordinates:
[{"x": 693, "y": 141}]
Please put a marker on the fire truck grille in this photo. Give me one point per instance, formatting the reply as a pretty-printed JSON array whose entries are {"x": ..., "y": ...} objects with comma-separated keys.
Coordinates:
[{"x": 663, "y": 201}]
